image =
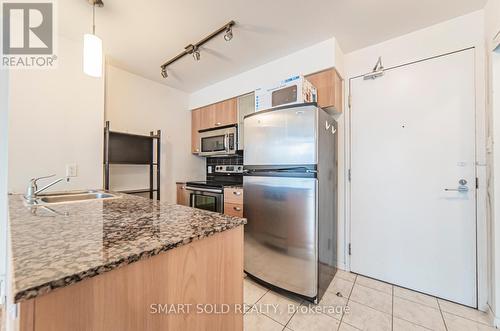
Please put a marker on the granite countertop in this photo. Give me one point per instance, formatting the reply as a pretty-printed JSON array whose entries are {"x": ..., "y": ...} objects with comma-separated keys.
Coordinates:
[{"x": 87, "y": 238}]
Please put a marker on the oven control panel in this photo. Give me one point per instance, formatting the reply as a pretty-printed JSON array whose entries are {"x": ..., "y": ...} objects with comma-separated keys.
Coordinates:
[{"x": 229, "y": 169}]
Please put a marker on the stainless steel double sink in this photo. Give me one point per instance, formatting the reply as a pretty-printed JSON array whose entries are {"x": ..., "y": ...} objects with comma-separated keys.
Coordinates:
[{"x": 73, "y": 196}]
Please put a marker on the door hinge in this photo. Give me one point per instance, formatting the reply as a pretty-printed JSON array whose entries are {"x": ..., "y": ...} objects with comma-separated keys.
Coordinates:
[
  {"x": 477, "y": 182},
  {"x": 349, "y": 101},
  {"x": 349, "y": 175},
  {"x": 349, "y": 248}
]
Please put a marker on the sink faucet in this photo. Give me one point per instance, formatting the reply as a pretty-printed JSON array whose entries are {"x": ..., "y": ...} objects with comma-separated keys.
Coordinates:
[{"x": 32, "y": 189}]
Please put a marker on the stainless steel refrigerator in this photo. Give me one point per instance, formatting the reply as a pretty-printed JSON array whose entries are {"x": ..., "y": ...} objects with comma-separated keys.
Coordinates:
[{"x": 290, "y": 198}]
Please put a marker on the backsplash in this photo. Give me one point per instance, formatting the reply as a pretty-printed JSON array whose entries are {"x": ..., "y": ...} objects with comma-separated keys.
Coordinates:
[{"x": 224, "y": 160}]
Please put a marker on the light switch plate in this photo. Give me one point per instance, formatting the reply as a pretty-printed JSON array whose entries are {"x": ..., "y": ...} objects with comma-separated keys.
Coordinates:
[{"x": 71, "y": 170}]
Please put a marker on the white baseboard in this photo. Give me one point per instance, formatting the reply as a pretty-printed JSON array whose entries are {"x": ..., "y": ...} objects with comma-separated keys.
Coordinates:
[
  {"x": 342, "y": 266},
  {"x": 495, "y": 320}
]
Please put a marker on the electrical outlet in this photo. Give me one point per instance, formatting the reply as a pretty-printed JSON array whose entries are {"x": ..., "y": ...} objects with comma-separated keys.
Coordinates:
[{"x": 71, "y": 170}]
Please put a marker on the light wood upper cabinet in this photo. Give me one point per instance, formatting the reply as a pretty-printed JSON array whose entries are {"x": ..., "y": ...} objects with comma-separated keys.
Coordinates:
[
  {"x": 226, "y": 112},
  {"x": 207, "y": 117},
  {"x": 330, "y": 89},
  {"x": 195, "y": 126},
  {"x": 212, "y": 116},
  {"x": 218, "y": 114}
]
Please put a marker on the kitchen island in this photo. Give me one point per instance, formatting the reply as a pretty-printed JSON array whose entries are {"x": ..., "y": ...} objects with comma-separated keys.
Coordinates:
[{"x": 126, "y": 263}]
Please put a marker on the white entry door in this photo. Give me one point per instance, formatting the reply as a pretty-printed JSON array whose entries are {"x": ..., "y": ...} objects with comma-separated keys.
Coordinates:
[{"x": 413, "y": 186}]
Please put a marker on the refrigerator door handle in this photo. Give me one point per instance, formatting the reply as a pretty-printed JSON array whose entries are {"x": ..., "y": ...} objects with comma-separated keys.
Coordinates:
[{"x": 279, "y": 170}]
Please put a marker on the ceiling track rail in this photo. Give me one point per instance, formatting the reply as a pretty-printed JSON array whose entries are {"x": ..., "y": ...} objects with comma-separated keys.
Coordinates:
[{"x": 193, "y": 48}]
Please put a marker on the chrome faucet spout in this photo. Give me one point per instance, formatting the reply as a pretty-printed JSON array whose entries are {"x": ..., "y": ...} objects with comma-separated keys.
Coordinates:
[
  {"x": 32, "y": 189},
  {"x": 51, "y": 184}
]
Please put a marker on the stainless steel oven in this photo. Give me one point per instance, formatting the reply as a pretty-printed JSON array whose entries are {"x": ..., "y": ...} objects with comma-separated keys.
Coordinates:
[
  {"x": 220, "y": 141},
  {"x": 211, "y": 199}
]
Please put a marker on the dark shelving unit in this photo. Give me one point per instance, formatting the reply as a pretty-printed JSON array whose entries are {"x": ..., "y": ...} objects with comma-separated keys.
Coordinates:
[{"x": 133, "y": 149}]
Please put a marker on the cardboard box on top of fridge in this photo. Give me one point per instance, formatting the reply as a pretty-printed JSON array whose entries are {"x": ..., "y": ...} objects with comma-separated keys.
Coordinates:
[{"x": 295, "y": 89}]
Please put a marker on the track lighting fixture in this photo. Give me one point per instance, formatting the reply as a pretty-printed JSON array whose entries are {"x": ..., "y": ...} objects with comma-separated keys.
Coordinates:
[
  {"x": 193, "y": 49},
  {"x": 229, "y": 33}
]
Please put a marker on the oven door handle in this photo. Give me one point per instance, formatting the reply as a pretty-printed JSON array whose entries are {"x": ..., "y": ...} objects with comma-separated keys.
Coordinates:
[{"x": 203, "y": 189}]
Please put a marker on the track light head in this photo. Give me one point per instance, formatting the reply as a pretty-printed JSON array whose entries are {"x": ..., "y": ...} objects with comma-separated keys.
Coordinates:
[
  {"x": 194, "y": 51},
  {"x": 196, "y": 54},
  {"x": 229, "y": 33},
  {"x": 164, "y": 73}
]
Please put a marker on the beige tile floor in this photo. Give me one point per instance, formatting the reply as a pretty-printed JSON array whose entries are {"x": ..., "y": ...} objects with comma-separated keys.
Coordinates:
[
  {"x": 369, "y": 305},
  {"x": 372, "y": 305}
]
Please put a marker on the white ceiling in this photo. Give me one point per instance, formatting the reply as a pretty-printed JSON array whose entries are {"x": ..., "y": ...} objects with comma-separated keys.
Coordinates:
[{"x": 140, "y": 35}]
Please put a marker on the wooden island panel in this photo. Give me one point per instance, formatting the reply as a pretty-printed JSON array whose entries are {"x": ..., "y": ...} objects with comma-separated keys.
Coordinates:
[{"x": 206, "y": 271}]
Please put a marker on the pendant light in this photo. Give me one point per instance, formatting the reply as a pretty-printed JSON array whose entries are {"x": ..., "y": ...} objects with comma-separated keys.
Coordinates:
[{"x": 92, "y": 47}]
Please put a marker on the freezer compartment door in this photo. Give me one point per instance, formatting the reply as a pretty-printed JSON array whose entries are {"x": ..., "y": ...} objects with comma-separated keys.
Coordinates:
[
  {"x": 281, "y": 233},
  {"x": 282, "y": 136}
]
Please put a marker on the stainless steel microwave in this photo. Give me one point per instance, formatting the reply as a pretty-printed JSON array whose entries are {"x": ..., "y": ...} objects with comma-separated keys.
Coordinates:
[{"x": 219, "y": 141}]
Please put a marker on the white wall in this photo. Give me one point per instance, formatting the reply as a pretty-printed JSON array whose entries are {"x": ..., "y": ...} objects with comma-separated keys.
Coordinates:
[
  {"x": 3, "y": 174},
  {"x": 308, "y": 60},
  {"x": 459, "y": 33},
  {"x": 492, "y": 27},
  {"x": 138, "y": 105},
  {"x": 56, "y": 118}
]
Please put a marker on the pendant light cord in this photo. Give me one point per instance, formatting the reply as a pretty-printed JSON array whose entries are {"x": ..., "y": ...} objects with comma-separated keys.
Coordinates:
[{"x": 93, "y": 18}]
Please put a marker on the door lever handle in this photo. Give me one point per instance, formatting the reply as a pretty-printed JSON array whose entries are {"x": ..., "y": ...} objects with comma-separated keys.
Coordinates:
[{"x": 459, "y": 189}]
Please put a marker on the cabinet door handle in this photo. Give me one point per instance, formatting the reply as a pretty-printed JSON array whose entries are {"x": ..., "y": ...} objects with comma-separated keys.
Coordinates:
[
  {"x": 218, "y": 124},
  {"x": 236, "y": 193},
  {"x": 237, "y": 208}
]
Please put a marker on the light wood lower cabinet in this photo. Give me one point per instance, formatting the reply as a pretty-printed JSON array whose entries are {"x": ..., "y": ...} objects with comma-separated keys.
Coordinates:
[
  {"x": 233, "y": 195},
  {"x": 233, "y": 202},
  {"x": 206, "y": 271},
  {"x": 233, "y": 209},
  {"x": 182, "y": 194}
]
